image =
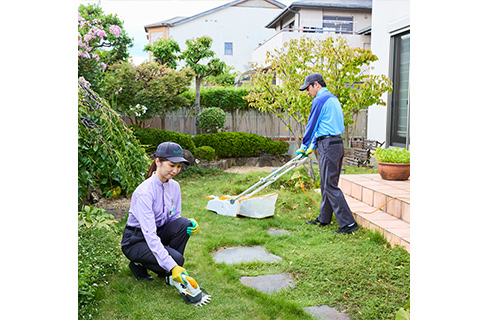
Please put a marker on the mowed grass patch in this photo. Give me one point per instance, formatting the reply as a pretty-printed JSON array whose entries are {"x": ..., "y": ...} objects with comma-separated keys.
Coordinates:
[{"x": 359, "y": 273}]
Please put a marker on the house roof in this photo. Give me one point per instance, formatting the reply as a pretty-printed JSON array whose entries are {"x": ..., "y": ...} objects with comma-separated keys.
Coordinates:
[
  {"x": 180, "y": 20},
  {"x": 164, "y": 23},
  {"x": 330, "y": 4}
]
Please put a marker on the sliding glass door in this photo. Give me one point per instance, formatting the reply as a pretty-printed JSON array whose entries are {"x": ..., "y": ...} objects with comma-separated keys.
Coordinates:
[{"x": 399, "y": 111}]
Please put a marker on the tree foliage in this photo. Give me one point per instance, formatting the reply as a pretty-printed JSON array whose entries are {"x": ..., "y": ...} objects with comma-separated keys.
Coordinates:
[
  {"x": 109, "y": 156},
  {"x": 344, "y": 69},
  {"x": 156, "y": 87},
  {"x": 199, "y": 51},
  {"x": 165, "y": 51},
  {"x": 101, "y": 41}
]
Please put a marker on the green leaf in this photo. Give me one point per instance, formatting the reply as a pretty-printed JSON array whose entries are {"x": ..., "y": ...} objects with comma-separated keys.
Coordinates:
[{"x": 402, "y": 315}]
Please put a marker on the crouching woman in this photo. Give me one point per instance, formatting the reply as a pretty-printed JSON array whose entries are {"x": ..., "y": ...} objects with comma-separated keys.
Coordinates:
[{"x": 156, "y": 235}]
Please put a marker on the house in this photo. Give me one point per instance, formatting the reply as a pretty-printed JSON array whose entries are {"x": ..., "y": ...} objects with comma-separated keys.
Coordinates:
[
  {"x": 236, "y": 29},
  {"x": 319, "y": 19},
  {"x": 380, "y": 25},
  {"x": 390, "y": 41}
]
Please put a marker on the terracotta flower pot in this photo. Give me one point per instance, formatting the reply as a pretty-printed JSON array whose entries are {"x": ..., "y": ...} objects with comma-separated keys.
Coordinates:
[{"x": 394, "y": 171}]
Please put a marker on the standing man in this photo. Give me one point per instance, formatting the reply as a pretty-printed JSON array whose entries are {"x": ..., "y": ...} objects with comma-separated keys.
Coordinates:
[{"x": 324, "y": 129}]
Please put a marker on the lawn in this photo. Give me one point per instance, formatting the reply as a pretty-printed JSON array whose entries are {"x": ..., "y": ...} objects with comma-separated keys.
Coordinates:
[{"x": 358, "y": 273}]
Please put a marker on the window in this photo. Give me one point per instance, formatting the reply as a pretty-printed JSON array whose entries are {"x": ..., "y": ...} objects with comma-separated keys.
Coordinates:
[
  {"x": 155, "y": 36},
  {"x": 399, "y": 111},
  {"x": 229, "y": 48},
  {"x": 338, "y": 24}
]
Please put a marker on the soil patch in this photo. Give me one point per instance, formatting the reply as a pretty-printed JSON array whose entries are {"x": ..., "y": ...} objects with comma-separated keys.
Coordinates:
[
  {"x": 118, "y": 207},
  {"x": 244, "y": 169}
]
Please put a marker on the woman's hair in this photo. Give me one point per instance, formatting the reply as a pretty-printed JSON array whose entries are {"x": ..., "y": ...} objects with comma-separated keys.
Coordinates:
[{"x": 153, "y": 166}]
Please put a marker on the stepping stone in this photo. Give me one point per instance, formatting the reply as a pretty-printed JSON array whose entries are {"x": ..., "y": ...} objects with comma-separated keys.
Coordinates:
[
  {"x": 270, "y": 283},
  {"x": 245, "y": 254},
  {"x": 326, "y": 313},
  {"x": 276, "y": 232}
]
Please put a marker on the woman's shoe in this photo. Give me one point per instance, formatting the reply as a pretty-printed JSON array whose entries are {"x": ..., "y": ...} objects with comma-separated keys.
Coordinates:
[{"x": 139, "y": 271}]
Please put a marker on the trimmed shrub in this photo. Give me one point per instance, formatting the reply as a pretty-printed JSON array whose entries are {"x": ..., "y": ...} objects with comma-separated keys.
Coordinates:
[
  {"x": 205, "y": 153},
  {"x": 241, "y": 144},
  {"x": 211, "y": 119},
  {"x": 151, "y": 138}
]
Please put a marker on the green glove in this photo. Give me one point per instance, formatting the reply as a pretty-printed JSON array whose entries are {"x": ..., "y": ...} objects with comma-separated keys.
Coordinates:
[
  {"x": 301, "y": 152},
  {"x": 193, "y": 229},
  {"x": 177, "y": 273}
]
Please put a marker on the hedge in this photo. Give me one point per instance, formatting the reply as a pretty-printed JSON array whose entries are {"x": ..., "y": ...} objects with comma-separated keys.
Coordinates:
[
  {"x": 241, "y": 144},
  {"x": 227, "y": 99},
  {"x": 151, "y": 138}
]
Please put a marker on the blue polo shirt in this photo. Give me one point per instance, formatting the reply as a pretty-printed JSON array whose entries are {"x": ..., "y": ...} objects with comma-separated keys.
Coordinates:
[{"x": 325, "y": 118}]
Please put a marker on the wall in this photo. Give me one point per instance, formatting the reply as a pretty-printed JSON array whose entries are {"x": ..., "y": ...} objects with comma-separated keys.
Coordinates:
[
  {"x": 389, "y": 17},
  {"x": 243, "y": 26},
  {"x": 161, "y": 31}
]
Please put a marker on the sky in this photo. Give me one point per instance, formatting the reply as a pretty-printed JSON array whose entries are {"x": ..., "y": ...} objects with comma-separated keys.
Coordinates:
[{"x": 137, "y": 13}]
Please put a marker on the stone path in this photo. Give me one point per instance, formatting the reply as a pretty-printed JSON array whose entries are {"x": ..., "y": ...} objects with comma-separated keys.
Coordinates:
[
  {"x": 245, "y": 254},
  {"x": 270, "y": 283},
  {"x": 326, "y": 313},
  {"x": 273, "y": 282}
]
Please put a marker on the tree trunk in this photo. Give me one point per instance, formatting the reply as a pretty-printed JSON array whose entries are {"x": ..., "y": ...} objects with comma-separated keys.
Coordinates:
[{"x": 197, "y": 101}]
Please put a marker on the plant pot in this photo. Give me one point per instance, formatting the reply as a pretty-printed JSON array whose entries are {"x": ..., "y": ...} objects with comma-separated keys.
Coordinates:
[{"x": 394, "y": 171}]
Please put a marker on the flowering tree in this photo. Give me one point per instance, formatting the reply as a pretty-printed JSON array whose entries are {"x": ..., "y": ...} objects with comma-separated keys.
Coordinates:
[{"x": 101, "y": 42}]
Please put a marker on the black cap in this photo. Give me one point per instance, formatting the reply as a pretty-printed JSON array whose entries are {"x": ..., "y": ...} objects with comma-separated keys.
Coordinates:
[
  {"x": 310, "y": 80},
  {"x": 171, "y": 151}
]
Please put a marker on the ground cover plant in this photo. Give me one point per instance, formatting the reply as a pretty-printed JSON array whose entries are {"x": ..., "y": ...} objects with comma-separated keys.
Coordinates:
[{"x": 359, "y": 273}]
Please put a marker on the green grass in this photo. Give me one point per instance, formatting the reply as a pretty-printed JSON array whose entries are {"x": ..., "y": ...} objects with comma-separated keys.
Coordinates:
[{"x": 359, "y": 273}]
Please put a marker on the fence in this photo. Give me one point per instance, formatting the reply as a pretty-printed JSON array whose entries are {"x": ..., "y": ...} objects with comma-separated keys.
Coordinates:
[{"x": 251, "y": 121}]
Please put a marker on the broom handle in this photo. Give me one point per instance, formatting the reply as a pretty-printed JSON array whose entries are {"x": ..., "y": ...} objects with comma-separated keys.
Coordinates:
[{"x": 269, "y": 179}]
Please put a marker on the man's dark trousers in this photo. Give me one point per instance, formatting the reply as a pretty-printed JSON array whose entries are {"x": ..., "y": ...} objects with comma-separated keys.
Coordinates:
[{"x": 330, "y": 155}]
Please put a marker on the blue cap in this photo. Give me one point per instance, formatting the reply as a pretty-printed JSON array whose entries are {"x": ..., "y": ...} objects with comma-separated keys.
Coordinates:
[{"x": 171, "y": 151}]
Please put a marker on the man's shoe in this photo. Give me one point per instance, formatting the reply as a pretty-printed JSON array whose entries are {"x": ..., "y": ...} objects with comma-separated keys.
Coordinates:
[
  {"x": 347, "y": 229},
  {"x": 140, "y": 272},
  {"x": 315, "y": 222}
]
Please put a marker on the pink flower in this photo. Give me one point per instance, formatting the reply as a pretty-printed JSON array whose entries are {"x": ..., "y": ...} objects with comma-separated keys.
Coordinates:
[
  {"x": 115, "y": 30},
  {"x": 95, "y": 56},
  {"x": 101, "y": 33},
  {"x": 118, "y": 91},
  {"x": 84, "y": 81},
  {"x": 104, "y": 66}
]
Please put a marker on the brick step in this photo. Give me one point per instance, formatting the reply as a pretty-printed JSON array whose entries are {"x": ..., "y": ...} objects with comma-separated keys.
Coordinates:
[
  {"x": 372, "y": 190},
  {"x": 395, "y": 230}
]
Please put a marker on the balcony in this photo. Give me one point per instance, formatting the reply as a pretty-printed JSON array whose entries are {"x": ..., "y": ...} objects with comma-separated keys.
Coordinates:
[{"x": 354, "y": 39}]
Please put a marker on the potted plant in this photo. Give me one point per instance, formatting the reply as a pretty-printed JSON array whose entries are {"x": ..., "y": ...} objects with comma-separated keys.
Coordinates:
[{"x": 393, "y": 164}]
